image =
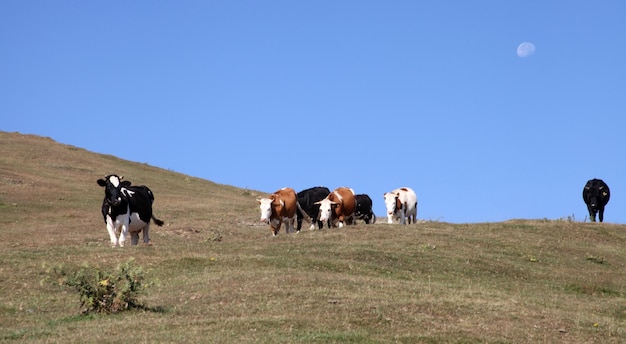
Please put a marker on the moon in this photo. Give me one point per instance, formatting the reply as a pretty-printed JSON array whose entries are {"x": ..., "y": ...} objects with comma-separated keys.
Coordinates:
[{"x": 525, "y": 49}]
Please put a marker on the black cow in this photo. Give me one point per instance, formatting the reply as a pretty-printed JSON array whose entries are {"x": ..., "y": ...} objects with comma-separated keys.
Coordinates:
[
  {"x": 364, "y": 209},
  {"x": 128, "y": 209},
  {"x": 596, "y": 195},
  {"x": 307, "y": 199}
]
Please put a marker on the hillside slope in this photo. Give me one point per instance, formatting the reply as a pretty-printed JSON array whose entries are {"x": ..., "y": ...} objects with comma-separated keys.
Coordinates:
[
  {"x": 218, "y": 276},
  {"x": 48, "y": 190}
]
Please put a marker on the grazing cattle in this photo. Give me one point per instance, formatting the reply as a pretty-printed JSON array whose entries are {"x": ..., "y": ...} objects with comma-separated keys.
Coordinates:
[
  {"x": 364, "y": 209},
  {"x": 309, "y": 209},
  {"x": 338, "y": 207},
  {"x": 401, "y": 203},
  {"x": 279, "y": 207},
  {"x": 596, "y": 195},
  {"x": 128, "y": 209}
]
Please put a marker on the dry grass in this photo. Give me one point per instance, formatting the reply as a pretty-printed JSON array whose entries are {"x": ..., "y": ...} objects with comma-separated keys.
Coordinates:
[{"x": 220, "y": 277}]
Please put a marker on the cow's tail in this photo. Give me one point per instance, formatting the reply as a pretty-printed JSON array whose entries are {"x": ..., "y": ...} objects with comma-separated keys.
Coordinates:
[
  {"x": 304, "y": 214},
  {"x": 373, "y": 218},
  {"x": 157, "y": 221}
]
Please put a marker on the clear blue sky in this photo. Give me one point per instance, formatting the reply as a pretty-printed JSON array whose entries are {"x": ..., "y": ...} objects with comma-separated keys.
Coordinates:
[{"x": 367, "y": 94}]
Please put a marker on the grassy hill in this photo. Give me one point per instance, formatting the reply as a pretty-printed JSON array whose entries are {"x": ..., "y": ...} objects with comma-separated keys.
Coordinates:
[{"x": 218, "y": 276}]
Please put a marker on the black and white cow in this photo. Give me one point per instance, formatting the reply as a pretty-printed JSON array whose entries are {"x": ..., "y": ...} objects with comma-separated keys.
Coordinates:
[
  {"x": 127, "y": 209},
  {"x": 364, "y": 209},
  {"x": 307, "y": 199},
  {"x": 596, "y": 195}
]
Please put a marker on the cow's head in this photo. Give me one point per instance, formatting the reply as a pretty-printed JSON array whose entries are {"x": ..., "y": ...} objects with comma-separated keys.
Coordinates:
[
  {"x": 326, "y": 209},
  {"x": 269, "y": 204},
  {"x": 113, "y": 188},
  {"x": 595, "y": 196},
  {"x": 392, "y": 202}
]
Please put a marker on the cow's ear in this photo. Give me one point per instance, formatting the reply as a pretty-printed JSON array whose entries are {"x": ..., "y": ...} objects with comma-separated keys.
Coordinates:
[{"x": 102, "y": 182}]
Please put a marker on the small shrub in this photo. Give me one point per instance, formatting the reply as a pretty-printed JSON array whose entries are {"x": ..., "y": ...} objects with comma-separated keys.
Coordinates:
[
  {"x": 215, "y": 236},
  {"x": 594, "y": 259},
  {"x": 104, "y": 291}
]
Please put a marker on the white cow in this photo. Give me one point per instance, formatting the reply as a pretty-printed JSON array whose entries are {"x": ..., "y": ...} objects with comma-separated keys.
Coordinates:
[{"x": 401, "y": 203}]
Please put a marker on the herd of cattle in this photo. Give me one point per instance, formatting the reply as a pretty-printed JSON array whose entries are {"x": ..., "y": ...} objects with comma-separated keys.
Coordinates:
[
  {"x": 127, "y": 209},
  {"x": 318, "y": 205}
]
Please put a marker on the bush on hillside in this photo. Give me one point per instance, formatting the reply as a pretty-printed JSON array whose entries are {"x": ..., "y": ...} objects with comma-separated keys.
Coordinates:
[{"x": 104, "y": 291}]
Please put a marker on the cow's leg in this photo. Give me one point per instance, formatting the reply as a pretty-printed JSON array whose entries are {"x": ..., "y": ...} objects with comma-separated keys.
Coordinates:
[
  {"x": 299, "y": 223},
  {"x": 389, "y": 218},
  {"x": 112, "y": 234},
  {"x": 290, "y": 224},
  {"x": 123, "y": 234},
  {"x": 146, "y": 234},
  {"x": 275, "y": 226},
  {"x": 287, "y": 225},
  {"x": 592, "y": 214},
  {"x": 601, "y": 214},
  {"x": 134, "y": 238}
]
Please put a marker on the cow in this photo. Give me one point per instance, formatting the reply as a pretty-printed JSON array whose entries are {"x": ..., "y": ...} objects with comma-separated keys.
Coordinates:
[
  {"x": 596, "y": 195},
  {"x": 401, "y": 204},
  {"x": 338, "y": 207},
  {"x": 309, "y": 209},
  {"x": 127, "y": 208},
  {"x": 364, "y": 209},
  {"x": 279, "y": 207}
]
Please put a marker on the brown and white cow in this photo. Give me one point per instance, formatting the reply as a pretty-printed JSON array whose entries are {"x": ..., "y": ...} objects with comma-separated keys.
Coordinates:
[
  {"x": 338, "y": 207},
  {"x": 279, "y": 207},
  {"x": 401, "y": 204}
]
